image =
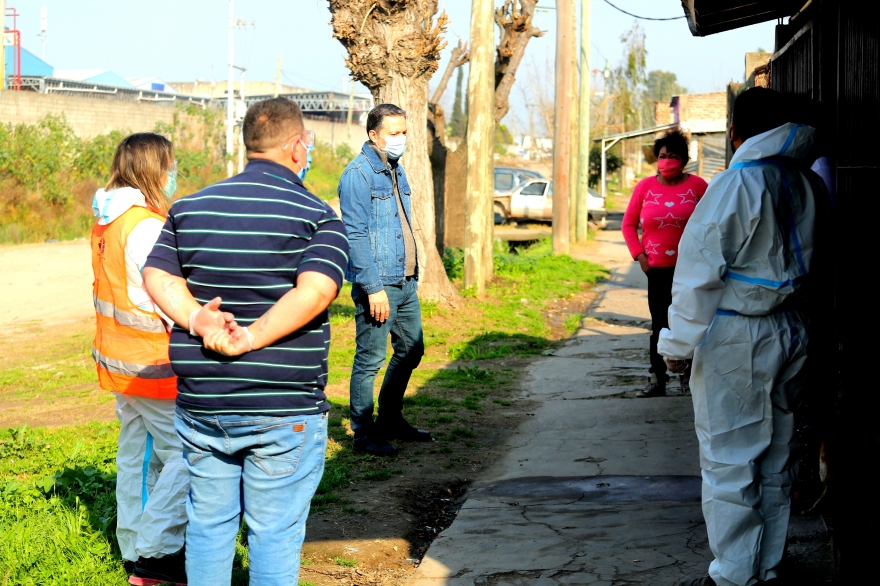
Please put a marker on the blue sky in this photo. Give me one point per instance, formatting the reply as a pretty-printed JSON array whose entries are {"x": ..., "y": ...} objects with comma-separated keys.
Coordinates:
[{"x": 181, "y": 40}]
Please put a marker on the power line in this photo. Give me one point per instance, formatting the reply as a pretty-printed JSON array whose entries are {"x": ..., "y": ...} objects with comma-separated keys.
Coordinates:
[{"x": 640, "y": 17}]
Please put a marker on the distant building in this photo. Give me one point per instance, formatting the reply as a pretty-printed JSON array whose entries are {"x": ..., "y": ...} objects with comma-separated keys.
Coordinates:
[
  {"x": 96, "y": 76},
  {"x": 30, "y": 63},
  {"x": 152, "y": 84}
]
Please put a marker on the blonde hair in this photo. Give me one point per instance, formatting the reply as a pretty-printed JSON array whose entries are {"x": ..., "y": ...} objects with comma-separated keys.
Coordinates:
[{"x": 142, "y": 161}]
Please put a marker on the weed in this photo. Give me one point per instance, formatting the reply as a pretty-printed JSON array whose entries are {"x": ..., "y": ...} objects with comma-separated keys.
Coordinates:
[
  {"x": 440, "y": 419},
  {"x": 444, "y": 450},
  {"x": 380, "y": 474},
  {"x": 460, "y": 432},
  {"x": 573, "y": 323},
  {"x": 345, "y": 562}
]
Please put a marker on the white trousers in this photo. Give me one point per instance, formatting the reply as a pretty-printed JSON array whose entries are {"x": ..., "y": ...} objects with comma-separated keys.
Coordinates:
[
  {"x": 151, "y": 481},
  {"x": 745, "y": 383}
]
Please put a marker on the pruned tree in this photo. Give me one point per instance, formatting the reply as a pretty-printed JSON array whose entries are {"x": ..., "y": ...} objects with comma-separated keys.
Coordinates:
[
  {"x": 514, "y": 19},
  {"x": 393, "y": 49}
]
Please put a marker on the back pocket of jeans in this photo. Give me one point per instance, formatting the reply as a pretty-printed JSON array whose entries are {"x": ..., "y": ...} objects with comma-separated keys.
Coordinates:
[{"x": 280, "y": 447}]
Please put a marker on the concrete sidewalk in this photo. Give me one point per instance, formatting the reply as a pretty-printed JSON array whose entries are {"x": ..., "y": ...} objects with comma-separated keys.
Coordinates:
[{"x": 598, "y": 487}]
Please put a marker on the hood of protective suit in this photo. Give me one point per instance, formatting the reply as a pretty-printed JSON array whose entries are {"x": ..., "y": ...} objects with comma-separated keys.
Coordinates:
[
  {"x": 790, "y": 140},
  {"x": 109, "y": 205}
]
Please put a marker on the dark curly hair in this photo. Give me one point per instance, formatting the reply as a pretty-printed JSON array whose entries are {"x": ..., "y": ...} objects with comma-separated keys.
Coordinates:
[{"x": 675, "y": 142}]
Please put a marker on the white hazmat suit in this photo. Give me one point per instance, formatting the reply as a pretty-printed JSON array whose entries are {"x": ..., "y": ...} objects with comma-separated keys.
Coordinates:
[{"x": 736, "y": 297}]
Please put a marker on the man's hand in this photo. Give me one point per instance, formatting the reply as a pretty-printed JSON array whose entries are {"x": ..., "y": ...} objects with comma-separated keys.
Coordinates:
[
  {"x": 676, "y": 366},
  {"x": 209, "y": 319},
  {"x": 380, "y": 309},
  {"x": 643, "y": 262},
  {"x": 228, "y": 343}
]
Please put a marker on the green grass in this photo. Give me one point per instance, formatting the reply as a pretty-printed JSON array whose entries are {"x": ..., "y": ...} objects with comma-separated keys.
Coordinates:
[
  {"x": 69, "y": 365},
  {"x": 345, "y": 562}
]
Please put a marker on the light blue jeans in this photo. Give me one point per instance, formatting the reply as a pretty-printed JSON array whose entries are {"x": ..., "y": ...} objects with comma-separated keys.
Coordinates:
[{"x": 265, "y": 467}]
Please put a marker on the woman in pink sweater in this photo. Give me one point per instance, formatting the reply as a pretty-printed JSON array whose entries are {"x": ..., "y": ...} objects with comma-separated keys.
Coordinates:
[{"x": 662, "y": 206}]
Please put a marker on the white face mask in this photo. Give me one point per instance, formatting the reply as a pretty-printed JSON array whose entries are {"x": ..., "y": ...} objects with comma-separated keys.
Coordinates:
[{"x": 395, "y": 146}]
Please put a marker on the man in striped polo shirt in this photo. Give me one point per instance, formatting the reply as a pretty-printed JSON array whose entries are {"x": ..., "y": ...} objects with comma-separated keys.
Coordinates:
[{"x": 251, "y": 408}]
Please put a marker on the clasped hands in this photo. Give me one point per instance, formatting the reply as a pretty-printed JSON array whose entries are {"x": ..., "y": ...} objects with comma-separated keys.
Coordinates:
[{"x": 219, "y": 331}]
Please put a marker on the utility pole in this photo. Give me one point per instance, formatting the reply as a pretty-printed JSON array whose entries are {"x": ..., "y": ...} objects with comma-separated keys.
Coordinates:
[
  {"x": 573, "y": 194},
  {"x": 562, "y": 128},
  {"x": 278, "y": 77},
  {"x": 479, "y": 194},
  {"x": 583, "y": 176},
  {"x": 243, "y": 111},
  {"x": 230, "y": 91},
  {"x": 44, "y": 26},
  {"x": 3, "y": 46}
]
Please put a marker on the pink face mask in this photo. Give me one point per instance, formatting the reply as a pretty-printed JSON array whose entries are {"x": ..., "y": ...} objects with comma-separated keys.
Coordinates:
[{"x": 669, "y": 168}]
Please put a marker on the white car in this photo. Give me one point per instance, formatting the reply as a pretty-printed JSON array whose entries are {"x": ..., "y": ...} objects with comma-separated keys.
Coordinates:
[{"x": 534, "y": 201}]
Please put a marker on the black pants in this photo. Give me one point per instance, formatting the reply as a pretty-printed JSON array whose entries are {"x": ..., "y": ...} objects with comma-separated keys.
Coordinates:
[{"x": 659, "y": 300}]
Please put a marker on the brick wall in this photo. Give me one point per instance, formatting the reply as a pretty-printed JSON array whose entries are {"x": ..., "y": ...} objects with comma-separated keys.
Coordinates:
[
  {"x": 86, "y": 115},
  {"x": 703, "y": 112}
]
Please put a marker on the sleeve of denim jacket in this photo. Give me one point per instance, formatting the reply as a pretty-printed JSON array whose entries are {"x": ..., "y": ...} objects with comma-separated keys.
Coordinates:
[{"x": 354, "y": 201}]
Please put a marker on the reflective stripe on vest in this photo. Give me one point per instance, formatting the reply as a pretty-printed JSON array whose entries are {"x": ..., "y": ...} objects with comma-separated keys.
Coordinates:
[
  {"x": 131, "y": 369},
  {"x": 138, "y": 322}
]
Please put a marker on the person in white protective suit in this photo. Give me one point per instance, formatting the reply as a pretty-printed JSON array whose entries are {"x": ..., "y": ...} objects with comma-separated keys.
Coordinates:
[{"x": 737, "y": 310}]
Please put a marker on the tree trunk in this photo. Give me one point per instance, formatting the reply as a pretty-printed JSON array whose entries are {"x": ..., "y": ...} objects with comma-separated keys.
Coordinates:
[
  {"x": 393, "y": 48},
  {"x": 412, "y": 96}
]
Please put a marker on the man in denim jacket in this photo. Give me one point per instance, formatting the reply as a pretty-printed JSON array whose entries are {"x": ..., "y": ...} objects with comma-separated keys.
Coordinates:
[{"x": 375, "y": 199}]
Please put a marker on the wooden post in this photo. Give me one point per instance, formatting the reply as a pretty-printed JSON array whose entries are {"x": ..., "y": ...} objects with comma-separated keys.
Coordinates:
[
  {"x": 562, "y": 128},
  {"x": 583, "y": 177},
  {"x": 700, "y": 155},
  {"x": 575, "y": 115},
  {"x": 479, "y": 219}
]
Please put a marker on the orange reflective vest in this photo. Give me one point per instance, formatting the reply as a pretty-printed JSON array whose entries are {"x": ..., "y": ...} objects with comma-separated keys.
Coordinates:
[{"x": 131, "y": 345}]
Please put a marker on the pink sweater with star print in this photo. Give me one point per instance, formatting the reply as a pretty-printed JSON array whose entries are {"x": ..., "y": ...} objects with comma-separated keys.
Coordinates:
[{"x": 662, "y": 212}]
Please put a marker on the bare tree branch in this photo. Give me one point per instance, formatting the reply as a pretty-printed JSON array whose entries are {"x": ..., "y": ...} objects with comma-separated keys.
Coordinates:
[
  {"x": 460, "y": 56},
  {"x": 514, "y": 19}
]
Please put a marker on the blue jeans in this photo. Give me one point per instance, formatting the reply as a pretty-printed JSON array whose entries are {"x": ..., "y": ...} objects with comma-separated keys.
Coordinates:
[
  {"x": 404, "y": 323},
  {"x": 265, "y": 467}
]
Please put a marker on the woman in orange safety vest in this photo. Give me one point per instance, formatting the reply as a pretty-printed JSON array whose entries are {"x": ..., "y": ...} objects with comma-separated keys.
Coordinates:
[{"x": 131, "y": 354}]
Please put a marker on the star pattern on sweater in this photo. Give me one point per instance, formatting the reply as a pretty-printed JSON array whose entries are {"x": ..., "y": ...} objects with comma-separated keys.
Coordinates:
[
  {"x": 669, "y": 220},
  {"x": 688, "y": 197},
  {"x": 651, "y": 248},
  {"x": 653, "y": 198}
]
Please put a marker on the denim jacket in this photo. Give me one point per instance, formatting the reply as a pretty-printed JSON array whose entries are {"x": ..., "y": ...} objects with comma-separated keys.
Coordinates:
[{"x": 371, "y": 217}]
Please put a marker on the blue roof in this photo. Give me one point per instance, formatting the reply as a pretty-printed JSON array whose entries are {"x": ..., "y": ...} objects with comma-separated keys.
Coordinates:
[
  {"x": 109, "y": 78},
  {"x": 30, "y": 64}
]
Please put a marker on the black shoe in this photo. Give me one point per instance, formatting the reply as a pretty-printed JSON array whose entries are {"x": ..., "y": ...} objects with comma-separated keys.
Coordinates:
[
  {"x": 374, "y": 445},
  {"x": 653, "y": 389},
  {"x": 701, "y": 581},
  {"x": 405, "y": 432},
  {"x": 170, "y": 569}
]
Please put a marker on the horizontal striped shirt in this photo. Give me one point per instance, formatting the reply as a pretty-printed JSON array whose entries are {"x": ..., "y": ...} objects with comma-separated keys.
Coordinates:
[{"x": 246, "y": 239}]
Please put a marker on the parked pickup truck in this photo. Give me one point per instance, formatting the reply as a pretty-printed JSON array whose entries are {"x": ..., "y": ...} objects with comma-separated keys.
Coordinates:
[{"x": 532, "y": 199}]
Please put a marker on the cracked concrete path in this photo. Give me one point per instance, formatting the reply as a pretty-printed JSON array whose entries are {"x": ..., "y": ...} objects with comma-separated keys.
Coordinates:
[{"x": 598, "y": 487}]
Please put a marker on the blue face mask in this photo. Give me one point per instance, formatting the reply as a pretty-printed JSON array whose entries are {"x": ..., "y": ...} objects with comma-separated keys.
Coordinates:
[
  {"x": 304, "y": 171},
  {"x": 395, "y": 146},
  {"x": 171, "y": 186}
]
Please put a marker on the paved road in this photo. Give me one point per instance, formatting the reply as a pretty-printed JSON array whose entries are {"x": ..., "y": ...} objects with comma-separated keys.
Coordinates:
[{"x": 598, "y": 487}]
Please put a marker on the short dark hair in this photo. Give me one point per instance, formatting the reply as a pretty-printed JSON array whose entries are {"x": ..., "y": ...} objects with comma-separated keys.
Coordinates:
[
  {"x": 268, "y": 122},
  {"x": 758, "y": 110},
  {"x": 675, "y": 142},
  {"x": 377, "y": 116}
]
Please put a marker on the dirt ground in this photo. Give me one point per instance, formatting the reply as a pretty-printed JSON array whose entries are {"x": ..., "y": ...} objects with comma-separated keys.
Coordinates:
[{"x": 385, "y": 525}]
